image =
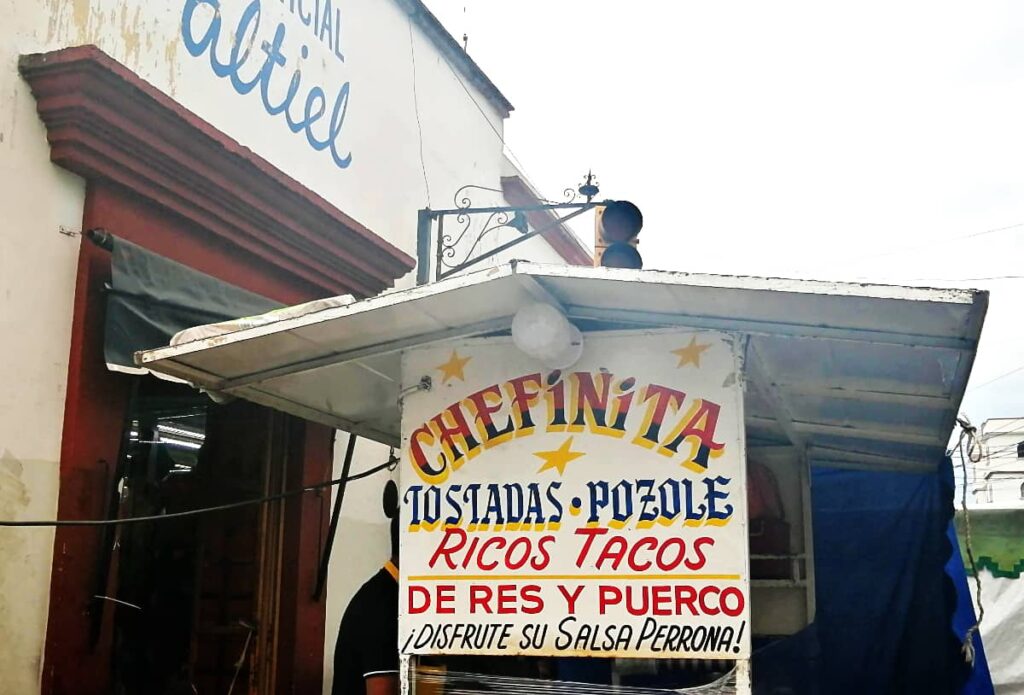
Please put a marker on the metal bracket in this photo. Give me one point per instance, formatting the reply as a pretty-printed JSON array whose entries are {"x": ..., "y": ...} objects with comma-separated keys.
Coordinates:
[{"x": 445, "y": 249}]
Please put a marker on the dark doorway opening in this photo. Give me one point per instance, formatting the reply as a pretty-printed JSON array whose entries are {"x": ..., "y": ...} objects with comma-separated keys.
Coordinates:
[{"x": 196, "y": 599}]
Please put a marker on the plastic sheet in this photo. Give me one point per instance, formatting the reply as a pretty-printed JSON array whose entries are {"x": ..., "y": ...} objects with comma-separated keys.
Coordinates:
[{"x": 460, "y": 683}]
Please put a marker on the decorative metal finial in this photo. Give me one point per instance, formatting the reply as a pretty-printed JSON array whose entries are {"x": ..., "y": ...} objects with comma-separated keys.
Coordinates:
[{"x": 588, "y": 189}]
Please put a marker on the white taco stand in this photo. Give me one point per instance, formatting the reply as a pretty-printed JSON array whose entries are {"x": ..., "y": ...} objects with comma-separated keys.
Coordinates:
[{"x": 837, "y": 374}]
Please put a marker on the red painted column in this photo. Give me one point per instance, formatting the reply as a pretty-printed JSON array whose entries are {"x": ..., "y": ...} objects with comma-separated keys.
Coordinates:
[
  {"x": 303, "y": 619},
  {"x": 93, "y": 416}
]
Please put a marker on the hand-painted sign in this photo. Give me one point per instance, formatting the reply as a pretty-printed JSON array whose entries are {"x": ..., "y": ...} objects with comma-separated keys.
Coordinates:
[
  {"x": 250, "y": 46},
  {"x": 597, "y": 511}
]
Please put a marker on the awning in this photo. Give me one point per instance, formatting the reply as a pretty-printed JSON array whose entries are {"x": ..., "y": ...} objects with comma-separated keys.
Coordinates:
[
  {"x": 853, "y": 374},
  {"x": 151, "y": 298}
]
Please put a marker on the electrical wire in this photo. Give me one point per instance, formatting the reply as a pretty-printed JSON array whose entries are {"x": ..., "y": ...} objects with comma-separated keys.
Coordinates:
[
  {"x": 929, "y": 244},
  {"x": 992, "y": 381},
  {"x": 416, "y": 110},
  {"x": 390, "y": 463},
  {"x": 961, "y": 279}
]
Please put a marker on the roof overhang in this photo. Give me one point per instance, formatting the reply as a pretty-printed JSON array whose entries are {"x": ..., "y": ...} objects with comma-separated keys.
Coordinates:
[{"x": 852, "y": 374}]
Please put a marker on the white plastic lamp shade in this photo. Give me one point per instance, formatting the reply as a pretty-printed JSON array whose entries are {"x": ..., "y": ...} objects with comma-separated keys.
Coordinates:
[
  {"x": 542, "y": 332},
  {"x": 539, "y": 329},
  {"x": 569, "y": 355}
]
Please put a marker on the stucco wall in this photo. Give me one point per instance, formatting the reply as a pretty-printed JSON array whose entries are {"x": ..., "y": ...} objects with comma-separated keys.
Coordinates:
[
  {"x": 37, "y": 280},
  {"x": 169, "y": 44}
]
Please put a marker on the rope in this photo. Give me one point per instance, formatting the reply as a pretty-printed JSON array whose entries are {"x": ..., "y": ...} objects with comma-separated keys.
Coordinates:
[{"x": 969, "y": 432}]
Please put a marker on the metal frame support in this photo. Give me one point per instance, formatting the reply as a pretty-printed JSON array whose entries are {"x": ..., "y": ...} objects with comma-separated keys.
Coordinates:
[
  {"x": 441, "y": 246},
  {"x": 325, "y": 558},
  {"x": 424, "y": 221}
]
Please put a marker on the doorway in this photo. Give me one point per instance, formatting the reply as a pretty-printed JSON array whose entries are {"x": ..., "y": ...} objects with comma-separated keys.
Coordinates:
[{"x": 197, "y": 598}]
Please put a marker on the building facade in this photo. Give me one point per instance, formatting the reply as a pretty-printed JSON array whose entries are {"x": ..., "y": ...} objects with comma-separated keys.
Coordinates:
[
  {"x": 164, "y": 159},
  {"x": 998, "y": 463}
]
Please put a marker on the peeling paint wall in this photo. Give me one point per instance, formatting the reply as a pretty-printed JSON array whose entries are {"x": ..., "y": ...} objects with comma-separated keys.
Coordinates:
[
  {"x": 374, "y": 48},
  {"x": 37, "y": 282}
]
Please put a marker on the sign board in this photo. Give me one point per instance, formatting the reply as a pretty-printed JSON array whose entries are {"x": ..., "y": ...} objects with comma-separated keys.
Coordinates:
[{"x": 596, "y": 511}]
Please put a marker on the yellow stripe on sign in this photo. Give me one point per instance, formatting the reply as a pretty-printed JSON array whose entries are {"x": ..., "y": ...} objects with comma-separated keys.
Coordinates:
[{"x": 569, "y": 577}]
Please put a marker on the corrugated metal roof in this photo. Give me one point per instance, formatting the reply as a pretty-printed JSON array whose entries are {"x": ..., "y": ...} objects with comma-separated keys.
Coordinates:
[{"x": 854, "y": 374}]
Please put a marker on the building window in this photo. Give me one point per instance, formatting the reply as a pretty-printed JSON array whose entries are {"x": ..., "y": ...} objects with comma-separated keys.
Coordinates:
[{"x": 1020, "y": 450}]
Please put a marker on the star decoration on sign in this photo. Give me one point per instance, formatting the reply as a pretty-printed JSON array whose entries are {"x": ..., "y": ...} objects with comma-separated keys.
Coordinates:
[
  {"x": 559, "y": 457},
  {"x": 453, "y": 368},
  {"x": 691, "y": 353}
]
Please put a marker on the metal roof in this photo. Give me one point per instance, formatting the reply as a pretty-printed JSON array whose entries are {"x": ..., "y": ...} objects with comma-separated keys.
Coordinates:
[{"x": 852, "y": 374}]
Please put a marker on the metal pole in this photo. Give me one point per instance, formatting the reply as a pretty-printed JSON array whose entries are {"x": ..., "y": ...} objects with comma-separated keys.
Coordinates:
[
  {"x": 423, "y": 219},
  {"x": 325, "y": 560}
]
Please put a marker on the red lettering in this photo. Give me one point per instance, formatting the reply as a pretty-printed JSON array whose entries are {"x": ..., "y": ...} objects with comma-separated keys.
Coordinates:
[
  {"x": 495, "y": 541},
  {"x": 545, "y": 556},
  {"x": 608, "y": 596},
  {"x": 705, "y": 608},
  {"x": 522, "y": 398},
  {"x": 424, "y": 595},
  {"x": 686, "y": 595},
  {"x": 521, "y": 542},
  {"x": 663, "y": 398},
  {"x": 590, "y": 534},
  {"x": 661, "y": 598},
  {"x": 480, "y": 597},
  {"x": 649, "y": 542},
  {"x": 507, "y": 599},
  {"x": 698, "y": 551},
  {"x": 485, "y": 410},
  {"x": 666, "y": 565},
  {"x": 445, "y": 550},
  {"x": 445, "y": 599},
  {"x": 532, "y": 602},
  {"x": 570, "y": 599},
  {"x": 735, "y": 593},
  {"x": 614, "y": 550},
  {"x": 455, "y": 434}
]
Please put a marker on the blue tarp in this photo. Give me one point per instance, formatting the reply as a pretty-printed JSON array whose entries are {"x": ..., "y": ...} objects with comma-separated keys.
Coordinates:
[{"x": 892, "y": 599}]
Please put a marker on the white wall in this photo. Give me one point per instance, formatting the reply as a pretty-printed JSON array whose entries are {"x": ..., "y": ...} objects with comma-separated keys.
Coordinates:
[{"x": 382, "y": 188}]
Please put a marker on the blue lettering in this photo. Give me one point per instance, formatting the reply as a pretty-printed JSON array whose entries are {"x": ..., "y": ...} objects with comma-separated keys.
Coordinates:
[
  {"x": 245, "y": 36},
  {"x": 197, "y": 48},
  {"x": 306, "y": 18},
  {"x": 337, "y": 36},
  {"x": 315, "y": 95},
  {"x": 326, "y": 27},
  {"x": 714, "y": 512}
]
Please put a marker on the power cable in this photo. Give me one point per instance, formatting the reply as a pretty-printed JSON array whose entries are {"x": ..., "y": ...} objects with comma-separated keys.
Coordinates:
[
  {"x": 390, "y": 463},
  {"x": 416, "y": 110},
  {"x": 930, "y": 244},
  {"x": 992, "y": 381},
  {"x": 501, "y": 137},
  {"x": 981, "y": 279}
]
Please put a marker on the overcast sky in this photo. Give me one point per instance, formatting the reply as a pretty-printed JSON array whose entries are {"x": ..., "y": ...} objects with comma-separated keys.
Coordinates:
[{"x": 869, "y": 140}]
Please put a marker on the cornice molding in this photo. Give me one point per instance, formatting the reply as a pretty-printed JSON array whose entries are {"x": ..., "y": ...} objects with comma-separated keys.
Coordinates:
[{"x": 105, "y": 123}]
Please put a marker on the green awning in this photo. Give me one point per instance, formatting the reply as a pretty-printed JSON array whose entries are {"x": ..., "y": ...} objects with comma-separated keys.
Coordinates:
[
  {"x": 997, "y": 539},
  {"x": 151, "y": 298}
]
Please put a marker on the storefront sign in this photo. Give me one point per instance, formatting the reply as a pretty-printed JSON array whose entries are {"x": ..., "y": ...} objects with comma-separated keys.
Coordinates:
[
  {"x": 595, "y": 511},
  {"x": 274, "y": 49}
]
